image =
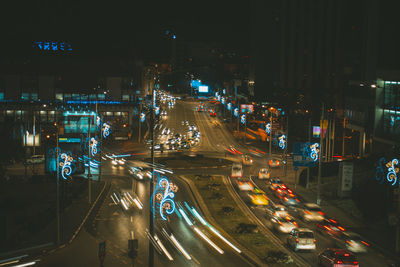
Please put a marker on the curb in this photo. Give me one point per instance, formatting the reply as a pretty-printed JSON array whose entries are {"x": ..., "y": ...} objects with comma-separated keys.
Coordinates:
[
  {"x": 75, "y": 234},
  {"x": 246, "y": 254}
]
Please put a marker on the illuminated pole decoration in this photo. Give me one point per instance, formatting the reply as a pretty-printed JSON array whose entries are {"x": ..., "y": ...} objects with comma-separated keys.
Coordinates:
[
  {"x": 98, "y": 121},
  {"x": 65, "y": 164},
  {"x": 93, "y": 146},
  {"x": 219, "y": 98},
  {"x": 142, "y": 117},
  {"x": 282, "y": 141},
  {"x": 236, "y": 112},
  {"x": 106, "y": 130},
  {"x": 387, "y": 170},
  {"x": 243, "y": 119},
  {"x": 164, "y": 195},
  {"x": 157, "y": 110},
  {"x": 314, "y": 151},
  {"x": 229, "y": 106},
  {"x": 268, "y": 128},
  {"x": 223, "y": 100}
]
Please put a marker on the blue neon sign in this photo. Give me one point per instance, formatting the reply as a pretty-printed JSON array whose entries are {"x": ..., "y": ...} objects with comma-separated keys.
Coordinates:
[
  {"x": 65, "y": 164},
  {"x": 314, "y": 151},
  {"x": 93, "y": 146},
  {"x": 268, "y": 128},
  {"x": 53, "y": 46},
  {"x": 106, "y": 130},
  {"x": 282, "y": 141},
  {"x": 387, "y": 170}
]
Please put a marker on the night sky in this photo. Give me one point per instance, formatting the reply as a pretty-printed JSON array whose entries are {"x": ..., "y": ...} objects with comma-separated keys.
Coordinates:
[{"x": 112, "y": 24}]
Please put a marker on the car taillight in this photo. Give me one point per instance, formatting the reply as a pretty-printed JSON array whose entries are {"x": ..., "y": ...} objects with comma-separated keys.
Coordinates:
[
  {"x": 290, "y": 191},
  {"x": 295, "y": 223},
  {"x": 320, "y": 212},
  {"x": 356, "y": 262},
  {"x": 285, "y": 198},
  {"x": 365, "y": 243},
  {"x": 339, "y": 262},
  {"x": 284, "y": 186},
  {"x": 341, "y": 228},
  {"x": 306, "y": 211},
  {"x": 315, "y": 240},
  {"x": 280, "y": 223},
  {"x": 297, "y": 240}
]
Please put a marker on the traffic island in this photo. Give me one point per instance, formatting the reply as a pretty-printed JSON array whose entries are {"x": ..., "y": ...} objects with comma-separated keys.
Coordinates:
[{"x": 236, "y": 223}]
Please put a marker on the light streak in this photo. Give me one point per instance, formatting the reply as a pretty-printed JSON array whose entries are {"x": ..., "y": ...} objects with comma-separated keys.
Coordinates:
[
  {"x": 180, "y": 248},
  {"x": 208, "y": 240},
  {"x": 185, "y": 217},
  {"x": 26, "y": 264},
  {"x": 224, "y": 239},
  {"x": 198, "y": 216},
  {"x": 138, "y": 203},
  {"x": 163, "y": 248}
]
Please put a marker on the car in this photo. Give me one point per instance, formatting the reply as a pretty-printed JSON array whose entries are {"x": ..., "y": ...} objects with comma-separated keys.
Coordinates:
[
  {"x": 277, "y": 211},
  {"x": 330, "y": 227},
  {"x": 337, "y": 257},
  {"x": 275, "y": 183},
  {"x": 301, "y": 239},
  {"x": 284, "y": 224},
  {"x": 140, "y": 173},
  {"x": 244, "y": 185},
  {"x": 352, "y": 242},
  {"x": 282, "y": 190},
  {"x": 264, "y": 174},
  {"x": 257, "y": 197},
  {"x": 311, "y": 212},
  {"x": 246, "y": 160},
  {"x": 35, "y": 159},
  {"x": 273, "y": 163},
  {"x": 237, "y": 170},
  {"x": 290, "y": 200}
]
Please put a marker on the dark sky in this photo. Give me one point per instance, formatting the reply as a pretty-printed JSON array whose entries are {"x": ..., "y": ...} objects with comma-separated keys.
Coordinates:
[{"x": 115, "y": 23}]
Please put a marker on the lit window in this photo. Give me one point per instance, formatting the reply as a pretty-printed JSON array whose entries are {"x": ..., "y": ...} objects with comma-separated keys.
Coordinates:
[
  {"x": 101, "y": 96},
  {"x": 125, "y": 97},
  {"x": 1, "y": 96},
  {"x": 34, "y": 96},
  {"x": 109, "y": 113},
  {"x": 25, "y": 96},
  {"x": 92, "y": 97},
  {"x": 10, "y": 112}
]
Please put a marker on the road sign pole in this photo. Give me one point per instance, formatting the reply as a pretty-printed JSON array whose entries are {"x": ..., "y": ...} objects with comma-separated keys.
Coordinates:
[{"x": 321, "y": 152}]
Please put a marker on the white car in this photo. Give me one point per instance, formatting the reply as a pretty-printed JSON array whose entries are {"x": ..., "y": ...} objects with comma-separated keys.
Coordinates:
[
  {"x": 311, "y": 212},
  {"x": 264, "y": 174},
  {"x": 35, "y": 159},
  {"x": 301, "y": 239},
  {"x": 237, "y": 170},
  {"x": 244, "y": 185}
]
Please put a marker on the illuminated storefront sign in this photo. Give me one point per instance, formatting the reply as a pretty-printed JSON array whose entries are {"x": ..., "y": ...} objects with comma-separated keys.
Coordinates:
[
  {"x": 53, "y": 46},
  {"x": 387, "y": 170},
  {"x": 65, "y": 164},
  {"x": 282, "y": 141},
  {"x": 314, "y": 151}
]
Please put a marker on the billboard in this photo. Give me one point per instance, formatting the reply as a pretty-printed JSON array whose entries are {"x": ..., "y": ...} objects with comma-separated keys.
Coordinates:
[
  {"x": 246, "y": 108},
  {"x": 316, "y": 131},
  {"x": 203, "y": 89}
]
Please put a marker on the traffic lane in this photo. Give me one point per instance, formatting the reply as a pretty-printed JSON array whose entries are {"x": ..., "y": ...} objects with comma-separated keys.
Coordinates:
[
  {"x": 117, "y": 225},
  {"x": 373, "y": 257}
]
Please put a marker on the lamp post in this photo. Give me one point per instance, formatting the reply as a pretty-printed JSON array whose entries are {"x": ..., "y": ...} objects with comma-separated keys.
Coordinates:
[
  {"x": 270, "y": 138},
  {"x": 151, "y": 215},
  {"x": 58, "y": 185},
  {"x": 320, "y": 157}
]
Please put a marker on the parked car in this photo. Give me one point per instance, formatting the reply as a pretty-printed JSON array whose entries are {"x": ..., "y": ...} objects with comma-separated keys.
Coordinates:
[
  {"x": 35, "y": 159},
  {"x": 337, "y": 257},
  {"x": 301, "y": 239}
]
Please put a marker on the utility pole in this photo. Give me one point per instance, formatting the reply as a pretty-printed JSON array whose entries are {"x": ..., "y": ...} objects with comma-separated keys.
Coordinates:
[
  {"x": 309, "y": 141},
  {"x": 89, "y": 174},
  {"x": 151, "y": 215},
  {"x": 270, "y": 137},
  {"x": 140, "y": 123},
  {"x": 287, "y": 143},
  {"x": 58, "y": 186},
  {"x": 321, "y": 153}
]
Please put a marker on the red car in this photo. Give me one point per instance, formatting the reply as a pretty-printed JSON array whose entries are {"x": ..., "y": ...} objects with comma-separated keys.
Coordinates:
[{"x": 336, "y": 257}]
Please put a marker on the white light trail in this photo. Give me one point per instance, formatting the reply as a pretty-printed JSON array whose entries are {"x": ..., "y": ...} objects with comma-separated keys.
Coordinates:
[
  {"x": 224, "y": 239},
  {"x": 26, "y": 264},
  {"x": 185, "y": 217},
  {"x": 163, "y": 248},
  {"x": 123, "y": 204},
  {"x": 138, "y": 204},
  {"x": 181, "y": 249},
  {"x": 208, "y": 240},
  {"x": 199, "y": 217},
  {"x": 115, "y": 202}
]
